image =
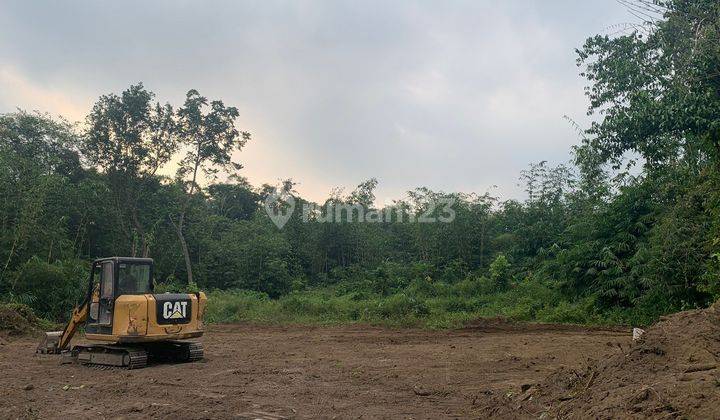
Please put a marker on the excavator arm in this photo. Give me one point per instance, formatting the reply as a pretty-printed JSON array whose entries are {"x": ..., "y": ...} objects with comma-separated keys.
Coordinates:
[{"x": 56, "y": 341}]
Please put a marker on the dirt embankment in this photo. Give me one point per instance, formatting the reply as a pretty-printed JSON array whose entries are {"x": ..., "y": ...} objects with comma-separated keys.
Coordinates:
[
  {"x": 673, "y": 371},
  {"x": 17, "y": 320}
]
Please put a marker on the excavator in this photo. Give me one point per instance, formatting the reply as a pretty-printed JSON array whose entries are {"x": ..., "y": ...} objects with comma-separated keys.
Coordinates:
[{"x": 127, "y": 323}]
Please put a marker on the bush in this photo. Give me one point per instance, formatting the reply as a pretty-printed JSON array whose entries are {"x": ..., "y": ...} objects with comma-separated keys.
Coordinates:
[
  {"x": 475, "y": 286},
  {"x": 424, "y": 287},
  {"x": 303, "y": 305},
  {"x": 522, "y": 302},
  {"x": 275, "y": 279},
  {"x": 423, "y": 303},
  {"x": 236, "y": 305},
  {"x": 500, "y": 271},
  {"x": 400, "y": 306},
  {"x": 455, "y": 270},
  {"x": 565, "y": 312},
  {"x": 389, "y": 277},
  {"x": 51, "y": 290},
  {"x": 456, "y": 304}
]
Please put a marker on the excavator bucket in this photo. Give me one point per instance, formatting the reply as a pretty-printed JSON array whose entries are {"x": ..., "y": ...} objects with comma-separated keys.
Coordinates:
[{"x": 49, "y": 343}]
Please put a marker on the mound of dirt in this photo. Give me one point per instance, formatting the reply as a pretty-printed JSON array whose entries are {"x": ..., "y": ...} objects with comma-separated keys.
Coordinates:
[
  {"x": 16, "y": 319},
  {"x": 672, "y": 371}
]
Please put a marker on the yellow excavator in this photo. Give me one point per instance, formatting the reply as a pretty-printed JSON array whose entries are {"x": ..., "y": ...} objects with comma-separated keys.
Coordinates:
[{"x": 129, "y": 322}]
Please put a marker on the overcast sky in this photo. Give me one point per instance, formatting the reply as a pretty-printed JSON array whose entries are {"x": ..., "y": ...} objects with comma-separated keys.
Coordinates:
[{"x": 456, "y": 96}]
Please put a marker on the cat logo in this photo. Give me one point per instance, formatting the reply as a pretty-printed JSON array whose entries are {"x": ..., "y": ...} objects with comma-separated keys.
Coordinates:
[{"x": 174, "y": 310}]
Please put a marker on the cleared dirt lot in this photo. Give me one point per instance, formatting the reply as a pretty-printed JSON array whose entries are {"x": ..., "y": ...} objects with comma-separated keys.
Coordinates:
[{"x": 301, "y": 372}]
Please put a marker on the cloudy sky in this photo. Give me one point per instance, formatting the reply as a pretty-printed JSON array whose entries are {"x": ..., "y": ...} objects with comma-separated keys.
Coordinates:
[{"x": 453, "y": 95}]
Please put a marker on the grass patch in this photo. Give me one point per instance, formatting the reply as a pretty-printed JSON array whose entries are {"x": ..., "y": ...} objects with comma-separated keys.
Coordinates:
[{"x": 434, "y": 305}]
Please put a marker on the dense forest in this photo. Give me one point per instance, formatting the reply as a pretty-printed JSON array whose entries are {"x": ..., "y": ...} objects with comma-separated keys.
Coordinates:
[{"x": 628, "y": 230}]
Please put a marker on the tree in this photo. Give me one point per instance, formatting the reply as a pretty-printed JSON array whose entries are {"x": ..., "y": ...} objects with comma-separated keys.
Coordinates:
[
  {"x": 210, "y": 137},
  {"x": 130, "y": 138},
  {"x": 364, "y": 194},
  {"x": 658, "y": 89},
  {"x": 38, "y": 162},
  {"x": 236, "y": 201}
]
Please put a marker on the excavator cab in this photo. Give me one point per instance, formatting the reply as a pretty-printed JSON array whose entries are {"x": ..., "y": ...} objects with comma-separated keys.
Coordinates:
[
  {"x": 122, "y": 311},
  {"x": 112, "y": 278}
]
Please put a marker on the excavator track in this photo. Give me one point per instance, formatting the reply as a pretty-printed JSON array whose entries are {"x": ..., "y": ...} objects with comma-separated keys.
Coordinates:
[
  {"x": 175, "y": 351},
  {"x": 196, "y": 352},
  {"x": 118, "y": 356},
  {"x": 136, "y": 362},
  {"x": 138, "y": 359},
  {"x": 113, "y": 356}
]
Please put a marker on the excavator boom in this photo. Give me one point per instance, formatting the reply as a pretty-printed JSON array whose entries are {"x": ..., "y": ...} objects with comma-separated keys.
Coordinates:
[{"x": 57, "y": 341}]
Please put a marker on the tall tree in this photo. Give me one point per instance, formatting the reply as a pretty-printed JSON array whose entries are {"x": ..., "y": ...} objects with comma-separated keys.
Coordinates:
[
  {"x": 38, "y": 159},
  {"x": 130, "y": 138},
  {"x": 658, "y": 88},
  {"x": 207, "y": 130}
]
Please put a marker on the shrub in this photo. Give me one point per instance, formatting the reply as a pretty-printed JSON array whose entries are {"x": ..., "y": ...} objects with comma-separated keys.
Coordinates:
[
  {"x": 500, "y": 271},
  {"x": 475, "y": 286},
  {"x": 236, "y": 305},
  {"x": 456, "y": 304},
  {"x": 275, "y": 280},
  {"x": 400, "y": 306},
  {"x": 565, "y": 312},
  {"x": 455, "y": 270},
  {"x": 424, "y": 287},
  {"x": 389, "y": 277},
  {"x": 52, "y": 290}
]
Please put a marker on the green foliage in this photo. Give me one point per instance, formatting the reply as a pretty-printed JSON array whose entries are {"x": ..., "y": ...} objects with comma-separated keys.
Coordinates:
[
  {"x": 128, "y": 134},
  {"x": 175, "y": 287},
  {"x": 208, "y": 131},
  {"x": 499, "y": 271},
  {"x": 239, "y": 305},
  {"x": 400, "y": 305},
  {"x": 474, "y": 286},
  {"x": 450, "y": 307},
  {"x": 210, "y": 137},
  {"x": 593, "y": 242},
  {"x": 275, "y": 279},
  {"x": 658, "y": 89},
  {"x": 51, "y": 289}
]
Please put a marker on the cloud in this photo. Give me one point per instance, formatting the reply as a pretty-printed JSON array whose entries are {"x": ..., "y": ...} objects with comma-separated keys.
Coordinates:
[
  {"x": 457, "y": 95},
  {"x": 19, "y": 92}
]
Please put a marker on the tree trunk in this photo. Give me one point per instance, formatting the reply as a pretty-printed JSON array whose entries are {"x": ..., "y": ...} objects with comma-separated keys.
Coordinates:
[
  {"x": 482, "y": 242},
  {"x": 184, "y": 247},
  {"x": 181, "y": 222},
  {"x": 143, "y": 240}
]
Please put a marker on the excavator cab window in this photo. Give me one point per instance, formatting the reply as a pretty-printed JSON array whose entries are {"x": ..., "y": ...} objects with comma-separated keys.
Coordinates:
[
  {"x": 134, "y": 279},
  {"x": 107, "y": 286},
  {"x": 106, "y": 278},
  {"x": 94, "y": 287}
]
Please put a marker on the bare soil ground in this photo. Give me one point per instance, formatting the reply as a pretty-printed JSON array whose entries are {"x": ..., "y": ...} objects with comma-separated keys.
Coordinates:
[
  {"x": 672, "y": 371},
  {"x": 308, "y": 372}
]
